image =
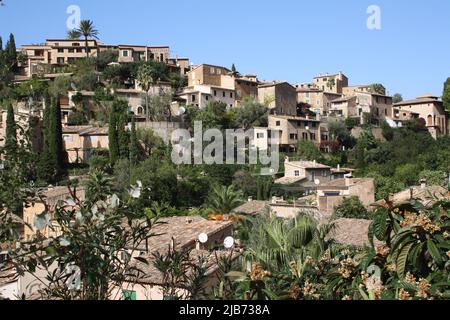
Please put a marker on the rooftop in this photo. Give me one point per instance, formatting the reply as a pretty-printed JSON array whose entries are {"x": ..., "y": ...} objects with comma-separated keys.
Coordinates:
[
  {"x": 252, "y": 208},
  {"x": 307, "y": 164},
  {"x": 428, "y": 195},
  {"x": 352, "y": 232},
  {"x": 427, "y": 98},
  {"x": 185, "y": 231}
]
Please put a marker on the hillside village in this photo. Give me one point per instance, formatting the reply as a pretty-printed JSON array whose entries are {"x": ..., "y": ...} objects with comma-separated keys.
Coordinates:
[{"x": 87, "y": 125}]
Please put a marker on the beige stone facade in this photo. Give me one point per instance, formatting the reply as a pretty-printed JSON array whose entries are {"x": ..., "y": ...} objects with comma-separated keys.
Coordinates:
[
  {"x": 81, "y": 141},
  {"x": 280, "y": 97},
  {"x": 293, "y": 129},
  {"x": 323, "y": 83},
  {"x": 333, "y": 193},
  {"x": 319, "y": 100},
  {"x": 430, "y": 109}
]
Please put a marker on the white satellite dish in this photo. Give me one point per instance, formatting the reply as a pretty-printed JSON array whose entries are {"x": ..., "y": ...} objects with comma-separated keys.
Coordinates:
[
  {"x": 181, "y": 111},
  {"x": 203, "y": 238},
  {"x": 317, "y": 182},
  {"x": 228, "y": 242}
]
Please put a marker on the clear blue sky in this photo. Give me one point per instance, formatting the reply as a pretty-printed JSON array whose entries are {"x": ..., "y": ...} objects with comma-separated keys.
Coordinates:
[{"x": 284, "y": 39}]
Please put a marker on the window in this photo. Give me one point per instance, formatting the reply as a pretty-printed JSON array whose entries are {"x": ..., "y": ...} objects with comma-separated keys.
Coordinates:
[
  {"x": 125, "y": 53},
  {"x": 260, "y": 135},
  {"x": 297, "y": 173},
  {"x": 313, "y": 136},
  {"x": 79, "y": 50},
  {"x": 207, "y": 98},
  {"x": 67, "y": 138},
  {"x": 71, "y": 50},
  {"x": 60, "y": 50},
  {"x": 75, "y": 44},
  {"x": 219, "y": 71},
  {"x": 305, "y": 136},
  {"x": 215, "y": 93},
  {"x": 129, "y": 295},
  {"x": 212, "y": 71},
  {"x": 313, "y": 124},
  {"x": 231, "y": 94},
  {"x": 193, "y": 97},
  {"x": 223, "y": 94},
  {"x": 60, "y": 60},
  {"x": 278, "y": 123},
  {"x": 293, "y": 136}
]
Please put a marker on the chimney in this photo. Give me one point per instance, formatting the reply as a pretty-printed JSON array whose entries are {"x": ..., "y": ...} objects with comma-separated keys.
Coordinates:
[
  {"x": 315, "y": 163},
  {"x": 172, "y": 243},
  {"x": 423, "y": 184},
  {"x": 339, "y": 167}
]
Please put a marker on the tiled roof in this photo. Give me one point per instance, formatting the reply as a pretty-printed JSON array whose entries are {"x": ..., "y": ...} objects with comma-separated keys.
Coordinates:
[
  {"x": 308, "y": 165},
  {"x": 352, "y": 232},
  {"x": 427, "y": 195},
  {"x": 252, "y": 208},
  {"x": 185, "y": 231},
  {"x": 152, "y": 276},
  {"x": 86, "y": 130},
  {"x": 289, "y": 180}
]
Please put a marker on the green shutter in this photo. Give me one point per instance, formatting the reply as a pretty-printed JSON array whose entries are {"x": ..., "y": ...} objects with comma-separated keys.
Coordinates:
[{"x": 129, "y": 295}]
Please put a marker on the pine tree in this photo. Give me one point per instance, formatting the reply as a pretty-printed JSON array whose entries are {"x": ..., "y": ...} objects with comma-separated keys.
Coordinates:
[
  {"x": 134, "y": 146},
  {"x": 11, "y": 130}
]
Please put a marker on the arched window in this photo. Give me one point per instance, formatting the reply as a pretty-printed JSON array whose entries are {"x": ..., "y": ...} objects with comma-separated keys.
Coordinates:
[
  {"x": 430, "y": 120},
  {"x": 140, "y": 111}
]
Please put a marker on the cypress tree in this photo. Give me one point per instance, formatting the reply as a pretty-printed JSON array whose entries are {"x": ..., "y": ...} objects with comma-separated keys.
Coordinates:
[
  {"x": 11, "y": 130},
  {"x": 56, "y": 147},
  {"x": 123, "y": 137},
  {"x": 46, "y": 166},
  {"x": 113, "y": 138},
  {"x": 11, "y": 53},
  {"x": 134, "y": 147}
]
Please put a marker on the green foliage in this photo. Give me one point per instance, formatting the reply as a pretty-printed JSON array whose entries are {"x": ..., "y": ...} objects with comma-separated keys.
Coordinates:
[
  {"x": 433, "y": 178},
  {"x": 224, "y": 199},
  {"x": 446, "y": 94},
  {"x": 351, "y": 208},
  {"x": 77, "y": 118},
  {"x": 388, "y": 131},
  {"x": 378, "y": 88},
  {"x": 11, "y": 130},
  {"x": 250, "y": 114},
  {"x": 396, "y": 98},
  {"x": 307, "y": 150},
  {"x": 104, "y": 58},
  {"x": 99, "y": 237}
]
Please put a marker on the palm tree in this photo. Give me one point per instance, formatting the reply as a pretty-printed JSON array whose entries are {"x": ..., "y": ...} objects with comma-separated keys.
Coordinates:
[
  {"x": 224, "y": 199},
  {"x": 98, "y": 186},
  {"x": 145, "y": 79},
  {"x": 275, "y": 243},
  {"x": 87, "y": 30},
  {"x": 73, "y": 35}
]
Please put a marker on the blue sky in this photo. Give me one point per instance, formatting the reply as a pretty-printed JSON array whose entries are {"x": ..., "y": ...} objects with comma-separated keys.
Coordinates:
[{"x": 291, "y": 40}]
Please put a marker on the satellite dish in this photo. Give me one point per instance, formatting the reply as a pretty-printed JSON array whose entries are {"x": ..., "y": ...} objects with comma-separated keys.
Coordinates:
[
  {"x": 181, "y": 111},
  {"x": 317, "y": 182},
  {"x": 228, "y": 242},
  {"x": 203, "y": 238},
  {"x": 72, "y": 85}
]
